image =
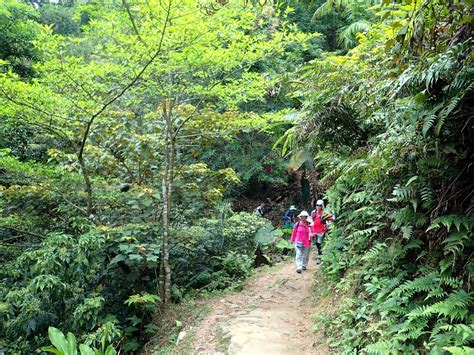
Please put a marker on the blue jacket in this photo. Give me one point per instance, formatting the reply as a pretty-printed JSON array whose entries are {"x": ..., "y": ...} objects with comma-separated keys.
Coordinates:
[{"x": 289, "y": 214}]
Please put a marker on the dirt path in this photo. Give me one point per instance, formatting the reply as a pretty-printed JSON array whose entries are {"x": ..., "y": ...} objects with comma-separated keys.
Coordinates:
[{"x": 272, "y": 315}]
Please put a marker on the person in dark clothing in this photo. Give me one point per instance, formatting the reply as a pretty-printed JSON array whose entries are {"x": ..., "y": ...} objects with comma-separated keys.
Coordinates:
[
  {"x": 260, "y": 210},
  {"x": 289, "y": 216}
]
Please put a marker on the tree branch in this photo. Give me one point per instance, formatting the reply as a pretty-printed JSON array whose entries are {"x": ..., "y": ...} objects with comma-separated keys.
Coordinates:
[
  {"x": 20, "y": 232},
  {"x": 181, "y": 125},
  {"x": 135, "y": 28},
  {"x": 128, "y": 86},
  {"x": 32, "y": 107},
  {"x": 80, "y": 154}
]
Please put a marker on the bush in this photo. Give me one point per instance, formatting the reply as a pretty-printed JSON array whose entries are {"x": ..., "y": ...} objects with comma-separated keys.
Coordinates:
[
  {"x": 198, "y": 254},
  {"x": 82, "y": 283}
]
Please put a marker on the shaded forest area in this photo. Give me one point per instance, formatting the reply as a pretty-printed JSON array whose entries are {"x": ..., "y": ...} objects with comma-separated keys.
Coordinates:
[{"x": 134, "y": 135}]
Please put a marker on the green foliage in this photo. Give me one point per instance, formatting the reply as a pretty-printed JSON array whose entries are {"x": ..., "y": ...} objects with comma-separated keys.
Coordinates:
[
  {"x": 146, "y": 300},
  {"x": 92, "y": 276},
  {"x": 215, "y": 253},
  {"x": 337, "y": 126},
  {"x": 273, "y": 244},
  {"x": 235, "y": 267},
  {"x": 399, "y": 251},
  {"x": 328, "y": 25},
  {"x": 90, "y": 92},
  {"x": 357, "y": 13},
  {"x": 68, "y": 346},
  {"x": 84, "y": 103},
  {"x": 267, "y": 235},
  {"x": 60, "y": 17},
  {"x": 18, "y": 31}
]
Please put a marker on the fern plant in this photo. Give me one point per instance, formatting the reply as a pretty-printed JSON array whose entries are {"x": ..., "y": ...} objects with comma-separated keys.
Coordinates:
[{"x": 401, "y": 246}]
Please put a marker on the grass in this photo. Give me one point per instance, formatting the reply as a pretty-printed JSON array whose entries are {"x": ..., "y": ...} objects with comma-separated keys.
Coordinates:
[{"x": 177, "y": 318}]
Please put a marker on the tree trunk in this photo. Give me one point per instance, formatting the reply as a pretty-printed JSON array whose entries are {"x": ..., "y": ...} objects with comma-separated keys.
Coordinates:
[
  {"x": 167, "y": 180},
  {"x": 88, "y": 184}
]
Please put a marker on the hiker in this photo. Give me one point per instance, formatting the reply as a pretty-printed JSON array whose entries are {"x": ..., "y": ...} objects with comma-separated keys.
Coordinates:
[
  {"x": 319, "y": 226},
  {"x": 300, "y": 237},
  {"x": 260, "y": 210},
  {"x": 289, "y": 216}
]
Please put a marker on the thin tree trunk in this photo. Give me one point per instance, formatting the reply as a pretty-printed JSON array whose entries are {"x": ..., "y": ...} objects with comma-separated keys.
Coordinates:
[
  {"x": 165, "y": 270},
  {"x": 87, "y": 182}
]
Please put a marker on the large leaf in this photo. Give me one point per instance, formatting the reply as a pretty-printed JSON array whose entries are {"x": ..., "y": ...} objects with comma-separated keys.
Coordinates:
[
  {"x": 58, "y": 339},
  {"x": 267, "y": 235},
  {"x": 71, "y": 344},
  {"x": 284, "y": 244},
  {"x": 86, "y": 350},
  {"x": 52, "y": 349},
  {"x": 110, "y": 350},
  {"x": 298, "y": 159}
]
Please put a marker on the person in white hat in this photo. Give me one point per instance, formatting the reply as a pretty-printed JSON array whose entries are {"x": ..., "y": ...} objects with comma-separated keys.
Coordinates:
[
  {"x": 319, "y": 226},
  {"x": 289, "y": 217},
  {"x": 300, "y": 237}
]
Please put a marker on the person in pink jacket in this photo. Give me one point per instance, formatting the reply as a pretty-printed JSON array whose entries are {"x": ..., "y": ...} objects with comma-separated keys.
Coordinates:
[{"x": 300, "y": 237}]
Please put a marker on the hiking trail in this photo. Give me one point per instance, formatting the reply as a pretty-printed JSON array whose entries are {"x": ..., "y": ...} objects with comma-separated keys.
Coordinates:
[{"x": 271, "y": 315}]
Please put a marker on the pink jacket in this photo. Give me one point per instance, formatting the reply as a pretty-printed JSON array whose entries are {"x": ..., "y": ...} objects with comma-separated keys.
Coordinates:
[{"x": 301, "y": 233}]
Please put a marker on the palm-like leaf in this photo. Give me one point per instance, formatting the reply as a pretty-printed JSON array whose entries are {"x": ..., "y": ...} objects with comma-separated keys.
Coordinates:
[{"x": 348, "y": 35}]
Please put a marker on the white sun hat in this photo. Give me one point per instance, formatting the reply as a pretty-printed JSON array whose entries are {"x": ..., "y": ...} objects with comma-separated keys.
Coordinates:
[
  {"x": 320, "y": 202},
  {"x": 292, "y": 207},
  {"x": 303, "y": 214}
]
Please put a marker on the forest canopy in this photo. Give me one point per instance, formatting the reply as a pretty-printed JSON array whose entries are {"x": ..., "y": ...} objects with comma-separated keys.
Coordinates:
[{"x": 138, "y": 136}]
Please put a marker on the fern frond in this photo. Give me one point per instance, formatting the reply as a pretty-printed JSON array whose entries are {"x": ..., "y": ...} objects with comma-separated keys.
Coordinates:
[
  {"x": 288, "y": 139},
  {"x": 450, "y": 281},
  {"x": 456, "y": 243},
  {"x": 432, "y": 162},
  {"x": 424, "y": 283},
  {"x": 448, "y": 221},
  {"x": 325, "y": 9},
  {"x": 401, "y": 193},
  {"x": 375, "y": 252},
  {"x": 453, "y": 103},
  {"x": 455, "y": 306},
  {"x": 459, "y": 350},
  {"x": 456, "y": 334},
  {"x": 428, "y": 123},
  {"x": 364, "y": 233},
  {"x": 382, "y": 347},
  {"x": 427, "y": 195},
  {"x": 407, "y": 231}
]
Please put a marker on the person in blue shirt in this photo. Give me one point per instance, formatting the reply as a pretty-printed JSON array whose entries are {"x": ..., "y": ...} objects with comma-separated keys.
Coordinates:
[{"x": 289, "y": 217}]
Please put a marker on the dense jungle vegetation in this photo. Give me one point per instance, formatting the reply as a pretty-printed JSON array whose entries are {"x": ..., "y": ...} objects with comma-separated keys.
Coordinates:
[{"x": 132, "y": 130}]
